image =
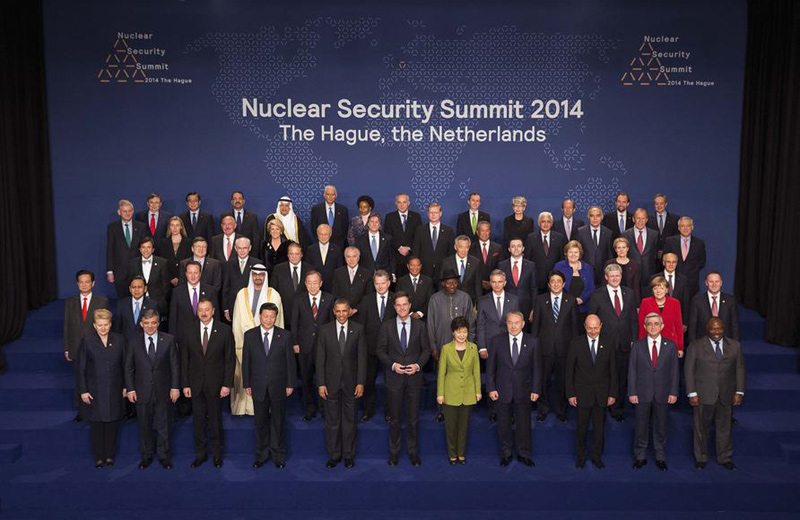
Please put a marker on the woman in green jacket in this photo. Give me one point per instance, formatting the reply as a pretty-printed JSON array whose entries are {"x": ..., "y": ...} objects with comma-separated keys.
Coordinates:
[{"x": 459, "y": 387}]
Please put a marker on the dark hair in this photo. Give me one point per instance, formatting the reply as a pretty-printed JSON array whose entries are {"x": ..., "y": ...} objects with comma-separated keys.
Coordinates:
[
  {"x": 459, "y": 322},
  {"x": 192, "y": 262},
  {"x": 138, "y": 277},
  {"x": 149, "y": 313},
  {"x": 145, "y": 240},
  {"x": 152, "y": 196},
  {"x": 341, "y": 301},
  {"x": 199, "y": 239},
  {"x": 83, "y": 272},
  {"x": 269, "y": 306},
  {"x": 205, "y": 299},
  {"x": 401, "y": 294},
  {"x": 193, "y": 193},
  {"x": 367, "y": 199},
  {"x": 556, "y": 273},
  {"x": 240, "y": 192},
  {"x": 412, "y": 257},
  {"x": 375, "y": 214}
]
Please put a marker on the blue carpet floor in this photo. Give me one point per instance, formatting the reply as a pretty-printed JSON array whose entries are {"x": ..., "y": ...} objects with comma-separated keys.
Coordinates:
[{"x": 46, "y": 468}]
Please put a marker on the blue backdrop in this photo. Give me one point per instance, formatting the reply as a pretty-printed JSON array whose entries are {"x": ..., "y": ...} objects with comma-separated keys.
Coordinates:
[{"x": 147, "y": 96}]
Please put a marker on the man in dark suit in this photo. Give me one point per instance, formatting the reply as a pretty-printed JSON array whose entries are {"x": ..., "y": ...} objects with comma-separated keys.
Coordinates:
[
  {"x": 418, "y": 287},
  {"x": 236, "y": 275},
  {"x": 375, "y": 309},
  {"x": 555, "y": 323},
  {"x": 310, "y": 311},
  {"x": 197, "y": 223},
  {"x": 223, "y": 246},
  {"x": 131, "y": 308},
  {"x": 487, "y": 252},
  {"x": 616, "y": 308},
  {"x": 155, "y": 272},
  {"x": 152, "y": 378},
  {"x": 122, "y": 245},
  {"x": 351, "y": 281},
  {"x": 154, "y": 218},
  {"x": 643, "y": 247},
  {"x": 596, "y": 241},
  {"x": 402, "y": 226},
  {"x": 375, "y": 248},
  {"x": 568, "y": 225},
  {"x": 691, "y": 252},
  {"x": 210, "y": 269},
  {"x": 544, "y": 247},
  {"x": 288, "y": 278},
  {"x": 403, "y": 350},
  {"x": 715, "y": 377},
  {"x": 591, "y": 385},
  {"x": 325, "y": 256},
  {"x": 678, "y": 284},
  {"x": 208, "y": 359},
  {"x": 185, "y": 297},
  {"x": 467, "y": 222},
  {"x": 78, "y": 322},
  {"x": 433, "y": 242},
  {"x": 620, "y": 219},
  {"x": 653, "y": 378},
  {"x": 514, "y": 381},
  {"x": 247, "y": 223},
  {"x": 342, "y": 370},
  {"x": 466, "y": 266},
  {"x": 664, "y": 222},
  {"x": 713, "y": 303},
  {"x": 269, "y": 375},
  {"x": 334, "y": 215},
  {"x": 521, "y": 275}
]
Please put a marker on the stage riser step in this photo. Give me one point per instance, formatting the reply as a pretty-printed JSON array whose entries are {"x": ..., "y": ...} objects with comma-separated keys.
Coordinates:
[{"x": 10, "y": 452}]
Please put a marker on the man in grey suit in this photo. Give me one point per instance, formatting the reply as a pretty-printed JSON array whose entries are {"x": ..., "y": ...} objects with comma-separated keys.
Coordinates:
[
  {"x": 715, "y": 376},
  {"x": 653, "y": 378}
]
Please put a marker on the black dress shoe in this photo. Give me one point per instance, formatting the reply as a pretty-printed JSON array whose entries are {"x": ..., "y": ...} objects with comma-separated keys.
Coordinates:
[
  {"x": 542, "y": 417},
  {"x": 392, "y": 461},
  {"x": 349, "y": 463},
  {"x": 734, "y": 420},
  {"x": 387, "y": 419},
  {"x": 98, "y": 464},
  {"x": 462, "y": 461},
  {"x": 145, "y": 463},
  {"x": 660, "y": 464},
  {"x": 598, "y": 464},
  {"x": 77, "y": 418},
  {"x": 415, "y": 461},
  {"x": 525, "y": 460},
  {"x": 332, "y": 463},
  {"x": 166, "y": 463},
  {"x": 452, "y": 461},
  {"x": 639, "y": 464},
  {"x": 280, "y": 464},
  {"x": 580, "y": 463},
  {"x": 562, "y": 418},
  {"x": 366, "y": 417},
  {"x": 700, "y": 465},
  {"x": 729, "y": 466},
  {"x": 492, "y": 417},
  {"x": 109, "y": 462},
  {"x": 618, "y": 417},
  {"x": 217, "y": 463},
  {"x": 505, "y": 461},
  {"x": 439, "y": 417},
  {"x": 196, "y": 463},
  {"x": 308, "y": 417},
  {"x": 258, "y": 463}
]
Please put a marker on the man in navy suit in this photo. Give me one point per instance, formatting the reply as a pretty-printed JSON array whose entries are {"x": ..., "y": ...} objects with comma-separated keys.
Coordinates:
[
  {"x": 376, "y": 248},
  {"x": 568, "y": 225},
  {"x": 197, "y": 223},
  {"x": 467, "y": 222},
  {"x": 691, "y": 252},
  {"x": 653, "y": 378},
  {"x": 544, "y": 247},
  {"x": 155, "y": 219},
  {"x": 402, "y": 226},
  {"x": 122, "y": 245},
  {"x": 616, "y": 308},
  {"x": 131, "y": 308},
  {"x": 325, "y": 256},
  {"x": 247, "y": 223},
  {"x": 336, "y": 216},
  {"x": 514, "y": 381},
  {"x": 403, "y": 349},
  {"x": 487, "y": 252},
  {"x": 643, "y": 247},
  {"x": 152, "y": 378},
  {"x": 521, "y": 276},
  {"x": 433, "y": 242},
  {"x": 596, "y": 240},
  {"x": 466, "y": 266},
  {"x": 555, "y": 322},
  {"x": 713, "y": 303},
  {"x": 269, "y": 375}
]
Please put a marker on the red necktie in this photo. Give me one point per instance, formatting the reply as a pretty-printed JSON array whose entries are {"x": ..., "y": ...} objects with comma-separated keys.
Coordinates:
[
  {"x": 485, "y": 254},
  {"x": 515, "y": 274},
  {"x": 655, "y": 354},
  {"x": 617, "y": 303},
  {"x": 85, "y": 308},
  {"x": 640, "y": 243},
  {"x": 152, "y": 224},
  {"x": 228, "y": 254},
  {"x": 314, "y": 308},
  {"x": 714, "y": 308}
]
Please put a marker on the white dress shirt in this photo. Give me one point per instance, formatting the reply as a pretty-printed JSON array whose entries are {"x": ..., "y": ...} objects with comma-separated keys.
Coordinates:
[{"x": 619, "y": 293}]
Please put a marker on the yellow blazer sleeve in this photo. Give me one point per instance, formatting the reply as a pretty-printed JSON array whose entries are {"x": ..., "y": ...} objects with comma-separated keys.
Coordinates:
[
  {"x": 476, "y": 368},
  {"x": 442, "y": 370}
]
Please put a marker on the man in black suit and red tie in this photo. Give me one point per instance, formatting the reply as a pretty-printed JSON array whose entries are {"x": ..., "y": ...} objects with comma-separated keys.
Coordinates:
[
  {"x": 155, "y": 272},
  {"x": 336, "y": 216},
  {"x": 664, "y": 222},
  {"x": 713, "y": 303},
  {"x": 591, "y": 385},
  {"x": 433, "y": 242},
  {"x": 402, "y": 226},
  {"x": 514, "y": 381},
  {"x": 644, "y": 247},
  {"x": 341, "y": 372},
  {"x": 544, "y": 247},
  {"x": 568, "y": 225},
  {"x": 222, "y": 246},
  {"x": 208, "y": 359},
  {"x": 620, "y": 219},
  {"x": 487, "y": 252},
  {"x": 596, "y": 240},
  {"x": 325, "y": 256},
  {"x": 269, "y": 375},
  {"x": 247, "y": 223},
  {"x": 122, "y": 245},
  {"x": 155, "y": 219},
  {"x": 376, "y": 248},
  {"x": 403, "y": 349},
  {"x": 467, "y": 222},
  {"x": 616, "y": 307},
  {"x": 197, "y": 223},
  {"x": 691, "y": 252},
  {"x": 521, "y": 276}
]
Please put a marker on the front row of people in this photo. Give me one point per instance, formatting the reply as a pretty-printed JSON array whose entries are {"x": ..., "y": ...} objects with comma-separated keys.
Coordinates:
[{"x": 149, "y": 370}]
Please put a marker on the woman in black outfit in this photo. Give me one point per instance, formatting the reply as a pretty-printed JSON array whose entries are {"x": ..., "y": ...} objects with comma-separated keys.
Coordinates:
[
  {"x": 175, "y": 247},
  {"x": 518, "y": 224},
  {"x": 276, "y": 244},
  {"x": 101, "y": 386}
]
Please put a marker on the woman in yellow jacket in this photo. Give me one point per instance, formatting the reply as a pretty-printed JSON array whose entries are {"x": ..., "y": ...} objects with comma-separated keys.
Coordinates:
[{"x": 459, "y": 387}]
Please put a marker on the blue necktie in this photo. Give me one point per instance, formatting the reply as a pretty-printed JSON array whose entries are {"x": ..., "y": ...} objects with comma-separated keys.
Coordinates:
[
  {"x": 383, "y": 306},
  {"x": 330, "y": 217},
  {"x": 239, "y": 220},
  {"x": 136, "y": 312},
  {"x": 621, "y": 224},
  {"x": 717, "y": 350},
  {"x": 514, "y": 351},
  {"x": 594, "y": 352},
  {"x": 556, "y": 309},
  {"x": 463, "y": 270},
  {"x": 374, "y": 248},
  {"x": 403, "y": 338},
  {"x": 266, "y": 343}
]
